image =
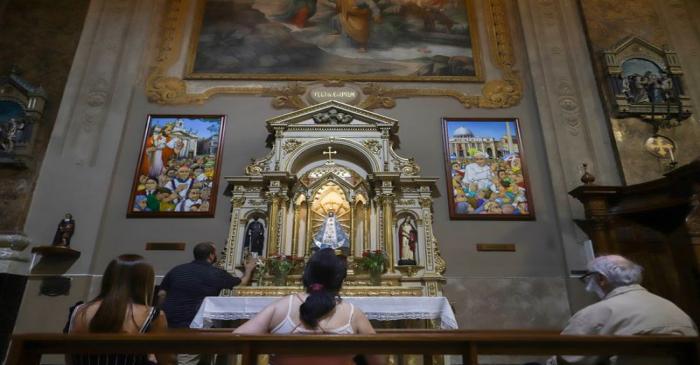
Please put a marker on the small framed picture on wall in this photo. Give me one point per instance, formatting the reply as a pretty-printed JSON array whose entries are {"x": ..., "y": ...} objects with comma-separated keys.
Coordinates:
[
  {"x": 178, "y": 167},
  {"x": 485, "y": 170}
]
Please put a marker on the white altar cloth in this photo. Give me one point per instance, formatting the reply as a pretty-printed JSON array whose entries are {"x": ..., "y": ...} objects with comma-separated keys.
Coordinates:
[{"x": 379, "y": 308}]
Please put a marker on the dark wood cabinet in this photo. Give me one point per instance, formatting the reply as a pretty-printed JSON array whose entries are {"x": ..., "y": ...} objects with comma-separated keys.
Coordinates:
[{"x": 656, "y": 224}]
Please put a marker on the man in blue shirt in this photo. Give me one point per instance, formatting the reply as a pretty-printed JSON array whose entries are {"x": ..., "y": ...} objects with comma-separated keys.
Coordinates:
[{"x": 184, "y": 287}]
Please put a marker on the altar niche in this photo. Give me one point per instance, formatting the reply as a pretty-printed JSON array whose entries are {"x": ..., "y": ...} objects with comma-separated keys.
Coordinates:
[
  {"x": 254, "y": 235},
  {"x": 333, "y": 179}
]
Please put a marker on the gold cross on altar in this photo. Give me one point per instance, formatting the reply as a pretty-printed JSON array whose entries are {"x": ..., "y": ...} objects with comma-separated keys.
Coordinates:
[{"x": 330, "y": 154}]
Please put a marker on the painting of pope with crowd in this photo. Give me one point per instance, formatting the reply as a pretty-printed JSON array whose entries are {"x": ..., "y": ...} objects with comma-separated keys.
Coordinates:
[
  {"x": 178, "y": 167},
  {"x": 486, "y": 175}
]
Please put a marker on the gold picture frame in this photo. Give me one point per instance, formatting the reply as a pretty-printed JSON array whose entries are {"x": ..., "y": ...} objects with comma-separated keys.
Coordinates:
[
  {"x": 165, "y": 85},
  {"x": 463, "y": 36}
]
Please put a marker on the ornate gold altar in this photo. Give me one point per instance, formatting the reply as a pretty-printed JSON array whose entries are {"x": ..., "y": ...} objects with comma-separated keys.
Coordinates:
[{"x": 333, "y": 179}]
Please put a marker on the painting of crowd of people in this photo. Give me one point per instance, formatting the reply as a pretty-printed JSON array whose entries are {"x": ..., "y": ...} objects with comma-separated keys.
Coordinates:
[
  {"x": 178, "y": 167},
  {"x": 485, "y": 173}
]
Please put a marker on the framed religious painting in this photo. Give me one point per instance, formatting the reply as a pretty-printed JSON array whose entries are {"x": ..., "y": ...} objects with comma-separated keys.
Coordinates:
[
  {"x": 335, "y": 40},
  {"x": 485, "y": 170},
  {"x": 177, "y": 172}
]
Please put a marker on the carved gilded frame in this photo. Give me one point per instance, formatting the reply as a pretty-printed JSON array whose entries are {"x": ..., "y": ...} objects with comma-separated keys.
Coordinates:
[
  {"x": 163, "y": 86},
  {"x": 197, "y": 26}
]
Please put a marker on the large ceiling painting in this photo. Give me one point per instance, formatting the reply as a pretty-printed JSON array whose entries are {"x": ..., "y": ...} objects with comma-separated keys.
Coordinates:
[{"x": 411, "y": 40}]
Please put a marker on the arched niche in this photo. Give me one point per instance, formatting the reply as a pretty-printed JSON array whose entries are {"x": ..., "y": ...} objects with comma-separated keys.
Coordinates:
[
  {"x": 21, "y": 108},
  {"x": 407, "y": 229},
  {"x": 255, "y": 233},
  {"x": 311, "y": 155}
]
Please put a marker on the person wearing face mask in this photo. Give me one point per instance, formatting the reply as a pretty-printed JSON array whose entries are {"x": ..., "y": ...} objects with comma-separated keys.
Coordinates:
[
  {"x": 625, "y": 309},
  {"x": 185, "y": 286}
]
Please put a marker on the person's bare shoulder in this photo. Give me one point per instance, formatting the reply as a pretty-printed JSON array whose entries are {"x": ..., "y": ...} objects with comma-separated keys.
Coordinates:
[
  {"x": 140, "y": 310},
  {"x": 281, "y": 303},
  {"x": 87, "y": 311},
  {"x": 361, "y": 323},
  {"x": 160, "y": 323}
]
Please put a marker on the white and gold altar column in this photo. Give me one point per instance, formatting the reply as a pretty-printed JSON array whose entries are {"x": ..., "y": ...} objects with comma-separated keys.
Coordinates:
[
  {"x": 276, "y": 201},
  {"x": 435, "y": 265},
  {"x": 232, "y": 240},
  {"x": 273, "y": 230},
  {"x": 385, "y": 190},
  {"x": 308, "y": 242},
  {"x": 296, "y": 208},
  {"x": 366, "y": 229},
  {"x": 299, "y": 226},
  {"x": 388, "y": 207}
]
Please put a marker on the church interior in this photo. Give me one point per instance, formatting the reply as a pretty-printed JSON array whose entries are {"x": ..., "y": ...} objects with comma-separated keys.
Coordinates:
[{"x": 472, "y": 155}]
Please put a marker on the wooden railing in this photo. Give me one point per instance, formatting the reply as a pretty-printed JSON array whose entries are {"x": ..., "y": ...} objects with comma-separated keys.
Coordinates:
[{"x": 27, "y": 349}]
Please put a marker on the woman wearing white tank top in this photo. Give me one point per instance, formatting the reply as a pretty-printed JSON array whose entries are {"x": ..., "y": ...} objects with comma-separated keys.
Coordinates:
[{"x": 319, "y": 310}]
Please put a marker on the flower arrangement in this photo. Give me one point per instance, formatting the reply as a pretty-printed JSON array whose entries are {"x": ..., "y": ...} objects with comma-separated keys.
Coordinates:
[
  {"x": 373, "y": 261},
  {"x": 279, "y": 266}
]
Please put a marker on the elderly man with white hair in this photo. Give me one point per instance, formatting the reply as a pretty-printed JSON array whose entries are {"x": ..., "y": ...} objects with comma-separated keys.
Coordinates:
[{"x": 625, "y": 309}]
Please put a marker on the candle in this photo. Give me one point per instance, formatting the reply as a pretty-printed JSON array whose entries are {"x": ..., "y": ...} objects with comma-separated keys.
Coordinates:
[{"x": 670, "y": 151}]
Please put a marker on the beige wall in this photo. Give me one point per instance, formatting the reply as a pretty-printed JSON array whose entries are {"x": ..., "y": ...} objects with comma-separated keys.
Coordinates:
[
  {"x": 39, "y": 38},
  {"x": 666, "y": 24},
  {"x": 94, "y": 150}
]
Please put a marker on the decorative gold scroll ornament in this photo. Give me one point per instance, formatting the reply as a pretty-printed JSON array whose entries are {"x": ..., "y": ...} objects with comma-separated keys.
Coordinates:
[{"x": 162, "y": 88}]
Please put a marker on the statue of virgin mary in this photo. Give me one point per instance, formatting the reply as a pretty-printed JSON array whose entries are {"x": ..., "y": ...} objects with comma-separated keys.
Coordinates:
[{"x": 331, "y": 234}]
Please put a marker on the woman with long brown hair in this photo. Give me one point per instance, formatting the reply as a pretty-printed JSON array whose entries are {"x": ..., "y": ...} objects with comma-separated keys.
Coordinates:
[{"x": 122, "y": 306}]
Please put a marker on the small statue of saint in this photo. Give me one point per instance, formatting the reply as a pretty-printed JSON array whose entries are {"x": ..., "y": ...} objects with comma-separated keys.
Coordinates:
[
  {"x": 255, "y": 237},
  {"x": 64, "y": 232},
  {"x": 331, "y": 234},
  {"x": 408, "y": 236}
]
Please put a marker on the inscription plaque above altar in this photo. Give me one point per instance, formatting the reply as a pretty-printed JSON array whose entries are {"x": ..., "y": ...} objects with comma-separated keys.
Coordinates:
[{"x": 346, "y": 94}]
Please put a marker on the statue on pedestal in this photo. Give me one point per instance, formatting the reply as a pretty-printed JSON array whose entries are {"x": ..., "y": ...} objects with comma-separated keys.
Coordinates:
[
  {"x": 255, "y": 237},
  {"x": 331, "y": 234},
  {"x": 408, "y": 236},
  {"x": 64, "y": 232}
]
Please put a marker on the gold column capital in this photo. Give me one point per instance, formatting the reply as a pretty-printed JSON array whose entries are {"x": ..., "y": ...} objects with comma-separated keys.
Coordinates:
[{"x": 237, "y": 201}]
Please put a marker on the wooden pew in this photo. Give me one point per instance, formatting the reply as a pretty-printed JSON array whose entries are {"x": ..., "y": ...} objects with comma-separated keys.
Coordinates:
[{"x": 27, "y": 349}]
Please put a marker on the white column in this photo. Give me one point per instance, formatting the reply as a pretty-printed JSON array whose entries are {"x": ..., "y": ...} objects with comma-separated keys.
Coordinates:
[
  {"x": 79, "y": 165},
  {"x": 572, "y": 121}
]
